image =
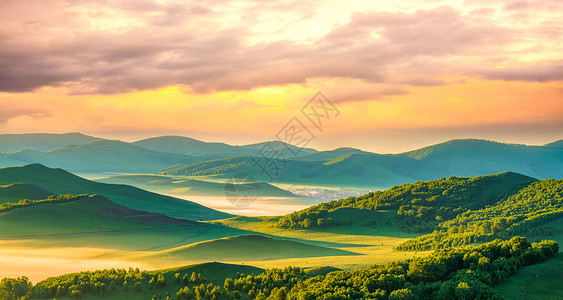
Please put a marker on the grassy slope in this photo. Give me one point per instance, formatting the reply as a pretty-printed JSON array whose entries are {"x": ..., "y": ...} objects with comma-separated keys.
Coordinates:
[
  {"x": 192, "y": 187},
  {"x": 97, "y": 222},
  {"x": 244, "y": 248},
  {"x": 374, "y": 244},
  {"x": 61, "y": 182},
  {"x": 18, "y": 191},
  {"x": 541, "y": 281}
]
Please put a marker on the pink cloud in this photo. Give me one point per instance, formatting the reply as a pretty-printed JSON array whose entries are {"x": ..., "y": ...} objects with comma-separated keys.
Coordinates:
[{"x": 184, "y": 44}]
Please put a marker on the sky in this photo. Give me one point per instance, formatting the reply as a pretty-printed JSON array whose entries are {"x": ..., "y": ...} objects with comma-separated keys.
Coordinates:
[{"x": 395, "y": 75}]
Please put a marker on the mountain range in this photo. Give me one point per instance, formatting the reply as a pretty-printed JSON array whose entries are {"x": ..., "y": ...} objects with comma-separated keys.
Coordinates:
[{"x": 280, "y": 162}]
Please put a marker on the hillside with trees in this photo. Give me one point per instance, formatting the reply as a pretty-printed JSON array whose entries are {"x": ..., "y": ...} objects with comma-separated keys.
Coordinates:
[
  {"x": 533, "y": 211},
  {"x": 420, "y": 206}
]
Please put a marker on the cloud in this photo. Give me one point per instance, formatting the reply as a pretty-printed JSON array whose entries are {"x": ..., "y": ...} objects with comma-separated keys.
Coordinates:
[
  {"x": 7, "y": 113},
  {"x": 116, "y": 47},
  {"x": 541, "y": 72},
  {"x": 517, "y": 5}
]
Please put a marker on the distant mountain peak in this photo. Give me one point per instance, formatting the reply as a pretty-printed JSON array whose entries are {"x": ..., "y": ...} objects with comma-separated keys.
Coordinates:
[{"x": 556, "y": 144}]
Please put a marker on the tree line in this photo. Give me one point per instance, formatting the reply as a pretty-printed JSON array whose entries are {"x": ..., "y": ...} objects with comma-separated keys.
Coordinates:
[{"x": 4, "y": 207}]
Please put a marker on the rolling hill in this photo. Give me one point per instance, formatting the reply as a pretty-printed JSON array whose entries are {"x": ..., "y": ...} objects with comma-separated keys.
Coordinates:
[
  {"x": 479, "y": 157},
  {"x": 86, "y": 215},
  {"x": 535, "y": 211},
  {"x": 184, "y": 145},
  {"x": 346, "y": 167},
  {"x": 194, "y": 187},
  {"x": 102, "y": 156},
  {"x": 245, "y": 248},
  {"x": 95, "y": 221},
  {"x": 348, "y": 170},
  {"x": 351, "y": 167},
  {"x": 41, "y": 141},
  {"x": 556, "y": 144},
  {"x": 18, "y": 191},
  {"x": 59, "y": 181},
  {"x": 329, "y": 155},
  {"x": 420, "y": 206}
]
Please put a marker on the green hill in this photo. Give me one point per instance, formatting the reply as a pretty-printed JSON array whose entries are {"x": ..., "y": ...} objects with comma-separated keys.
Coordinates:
[
  {"x": 478, "y": 157},
  {"x": 59, "y": 181},
  {"x": 194, "y": 187},
  {"x": 41, "y": 141},
  {"x": 95, "y": 221},
  {"x": 541, "y": 281},
  {"x": 420, "y": 206},
  {"x": 214, "y": 272},
  {"x": 18, "y": 191},
  {"x": 535, "y": 211},
  {"x": 245, "y": 248},
  {"x": 348, "y": 170},
  {"x": 90, "y": 214},
  {"x": 102, "y": 156}
]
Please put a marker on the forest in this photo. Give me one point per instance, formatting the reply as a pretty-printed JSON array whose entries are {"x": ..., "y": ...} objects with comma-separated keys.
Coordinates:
[
  {"x": 454, "y": 211},
  {"x": 527, "y": 212},
  {"x": 420, "y": 206}
]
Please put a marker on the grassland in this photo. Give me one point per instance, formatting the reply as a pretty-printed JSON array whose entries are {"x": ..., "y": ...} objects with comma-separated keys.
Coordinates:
[
  {"x": 113, "y": 232},
  {"x": 104, "y": 232},
  {"x": 541, "y": 281},
  {"x": 98, "y": 222},
  {"x": 372, "y": 244},
  {"x": 250, "y": 247}
]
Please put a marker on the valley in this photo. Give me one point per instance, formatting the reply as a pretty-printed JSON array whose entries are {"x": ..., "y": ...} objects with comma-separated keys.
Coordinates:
[{"x": 204, "y": 217}]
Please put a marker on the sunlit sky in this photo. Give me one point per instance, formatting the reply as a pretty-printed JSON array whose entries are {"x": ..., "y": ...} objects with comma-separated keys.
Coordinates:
[{"x": 402, "y": 74}]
